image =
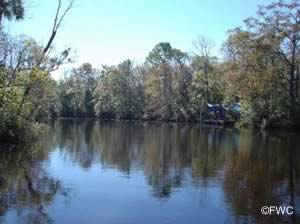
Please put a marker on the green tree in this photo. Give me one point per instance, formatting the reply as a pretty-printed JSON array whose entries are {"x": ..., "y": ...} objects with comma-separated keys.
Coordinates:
[
  {"x": 208, "y": 83},
  {"x": 160, "y": 59},
  {"x": 167, "y": 83},
  {"x": 119, "y": 92},
  {"x": 11, "y": 9},
  {"x": 75, "y": 91},
  {"x": 276, "y": 32},
  {"x": 26, "y": 91},
  {"x": 252, "y": 76}
]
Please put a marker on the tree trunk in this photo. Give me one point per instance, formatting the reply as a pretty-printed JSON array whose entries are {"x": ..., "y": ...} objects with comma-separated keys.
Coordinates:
[
  {"x": 292, "y": 87},
  {"x": 1, "y": 16},
  {"x": 206, "y": 77},
  {"x": 297, "y": 83},
  {"x": 49, "y": 42}
]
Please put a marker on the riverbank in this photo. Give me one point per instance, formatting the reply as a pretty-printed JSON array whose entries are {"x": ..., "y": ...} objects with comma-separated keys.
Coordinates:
[
  {"x": 214, "y": 123},
  {"x": 38, "y": 130}
]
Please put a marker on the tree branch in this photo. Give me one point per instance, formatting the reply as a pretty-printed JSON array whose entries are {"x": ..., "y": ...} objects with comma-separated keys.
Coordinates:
[{"x": 57, "y": 23}]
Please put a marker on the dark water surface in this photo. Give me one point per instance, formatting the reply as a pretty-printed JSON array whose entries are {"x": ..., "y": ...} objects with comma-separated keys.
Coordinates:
[{"x": 94, "y": 172}]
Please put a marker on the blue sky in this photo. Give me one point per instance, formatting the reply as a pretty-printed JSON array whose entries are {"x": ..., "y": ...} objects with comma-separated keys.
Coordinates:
[{"x": 109, "y": 31}]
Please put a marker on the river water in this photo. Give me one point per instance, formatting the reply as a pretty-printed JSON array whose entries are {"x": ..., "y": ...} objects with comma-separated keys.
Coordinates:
[{"x": 88, "y": 172}]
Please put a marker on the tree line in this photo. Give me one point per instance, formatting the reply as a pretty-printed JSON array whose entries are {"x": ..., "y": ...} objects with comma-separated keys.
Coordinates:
[
  {"x": 169, "y": 85},
  {"x": 259, "y": 71}
]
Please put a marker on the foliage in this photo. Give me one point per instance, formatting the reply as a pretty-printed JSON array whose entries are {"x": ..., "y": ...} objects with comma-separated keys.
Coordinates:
[
  {"x": 11, "y": 9},
  {"x": 119, "y": 93},
  {"x": 208, "y": 82},
  {"x": 75, "y": 92},
  {"x": 27, "y": 92},
  {"x": 167, "y": 81},
  {"x": 262, "y": 66}
]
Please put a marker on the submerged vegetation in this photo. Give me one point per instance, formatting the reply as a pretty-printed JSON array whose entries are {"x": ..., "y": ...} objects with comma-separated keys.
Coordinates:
[{"x": 259, "y": 71}]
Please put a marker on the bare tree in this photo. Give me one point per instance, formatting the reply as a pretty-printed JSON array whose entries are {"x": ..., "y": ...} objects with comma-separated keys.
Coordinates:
[{"x": 204, "y": 48}]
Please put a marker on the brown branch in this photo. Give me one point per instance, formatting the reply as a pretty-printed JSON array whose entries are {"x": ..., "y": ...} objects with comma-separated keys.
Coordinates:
[
  {"x": 70, "y": 6},
  {"x": 57, "y": 23}
]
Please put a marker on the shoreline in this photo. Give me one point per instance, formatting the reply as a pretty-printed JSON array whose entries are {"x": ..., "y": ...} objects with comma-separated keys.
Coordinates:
[{"x": 235, "y": 126}]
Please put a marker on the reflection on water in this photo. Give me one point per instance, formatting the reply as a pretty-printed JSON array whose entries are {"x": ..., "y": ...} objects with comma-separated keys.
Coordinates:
[
  {"x": 124, "y": 172},
  {"x": 25, "y": 186}
]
